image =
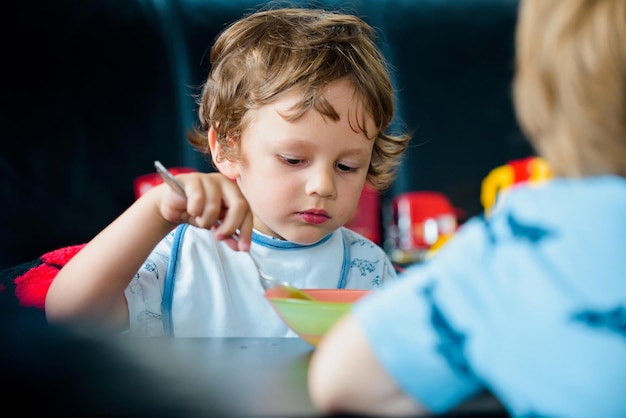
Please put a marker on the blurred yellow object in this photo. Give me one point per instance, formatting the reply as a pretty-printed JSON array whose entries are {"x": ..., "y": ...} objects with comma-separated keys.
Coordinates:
[
  {"x": 438, "y": 244},
  {"x": 530, "y": 169}
]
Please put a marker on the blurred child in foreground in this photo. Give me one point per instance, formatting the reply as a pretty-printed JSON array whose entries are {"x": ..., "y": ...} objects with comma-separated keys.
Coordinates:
[{"x": 528, "y": 303}]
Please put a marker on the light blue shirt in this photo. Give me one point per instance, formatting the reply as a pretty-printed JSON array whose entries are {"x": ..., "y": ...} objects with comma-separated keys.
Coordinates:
[{"x": 529, "y": 304}]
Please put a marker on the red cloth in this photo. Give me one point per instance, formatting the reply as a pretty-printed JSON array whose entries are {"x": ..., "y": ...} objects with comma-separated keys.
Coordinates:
[{"x": 27, "y": 284}]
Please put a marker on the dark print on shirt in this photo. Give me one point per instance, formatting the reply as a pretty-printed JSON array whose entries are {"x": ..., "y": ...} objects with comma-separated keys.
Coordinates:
[
  {"x": 360, "y": 242},
  {"x": 531, "y": 233},
  {"x": 520, "y": 231},
  {"x": 365, "y": 266},
  {"x": 613, "y": 320},
  {"x": 149, "y": 266},
  {"x": 451, "y": 342}
]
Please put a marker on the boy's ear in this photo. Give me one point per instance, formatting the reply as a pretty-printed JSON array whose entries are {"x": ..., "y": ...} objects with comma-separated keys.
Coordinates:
[{"x": 225, "y": 166}]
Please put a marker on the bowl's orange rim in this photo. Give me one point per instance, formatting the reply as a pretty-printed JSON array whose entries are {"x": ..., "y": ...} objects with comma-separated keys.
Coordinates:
[
  {"x": 317, "y": 301},
  {"x": 306, "y": 302}
]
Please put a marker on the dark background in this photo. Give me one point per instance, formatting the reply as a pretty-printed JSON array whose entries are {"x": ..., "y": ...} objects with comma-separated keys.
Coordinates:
[{"x": 94, "y": 91}]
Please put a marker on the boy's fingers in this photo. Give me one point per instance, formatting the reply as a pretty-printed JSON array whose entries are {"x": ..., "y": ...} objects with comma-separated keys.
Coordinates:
[
  {"x": 237, "y": 219},
  {"x": 214, "y": 201},
  {"x": 245, "y": 233}
]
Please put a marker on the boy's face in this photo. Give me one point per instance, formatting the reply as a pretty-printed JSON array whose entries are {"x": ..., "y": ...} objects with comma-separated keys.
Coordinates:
[{"x": 303, "y": 179}]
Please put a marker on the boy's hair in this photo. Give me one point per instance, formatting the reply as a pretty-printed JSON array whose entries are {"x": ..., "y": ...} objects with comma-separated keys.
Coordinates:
[
  {"x": 273, "y": 52},
  {"x": 570, "y": 83}
]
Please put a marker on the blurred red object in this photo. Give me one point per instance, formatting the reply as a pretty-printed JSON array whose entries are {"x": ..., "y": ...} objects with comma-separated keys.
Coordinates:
[
  {"x": 422, "y": 220},
  {"x": 145, "y": 182},
  {"x": 367, "y": 217}
]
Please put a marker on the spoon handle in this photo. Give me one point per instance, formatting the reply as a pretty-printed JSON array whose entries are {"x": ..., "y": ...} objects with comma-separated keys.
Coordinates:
[{"x": 169, "y": 179}]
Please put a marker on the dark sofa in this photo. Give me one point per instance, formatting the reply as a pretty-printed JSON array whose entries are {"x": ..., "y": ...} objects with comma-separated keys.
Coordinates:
[{"x": 95, "y": 91}]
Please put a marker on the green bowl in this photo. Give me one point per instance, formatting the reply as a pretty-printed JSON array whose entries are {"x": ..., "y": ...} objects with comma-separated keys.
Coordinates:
[{"x": 312, "y": 319}]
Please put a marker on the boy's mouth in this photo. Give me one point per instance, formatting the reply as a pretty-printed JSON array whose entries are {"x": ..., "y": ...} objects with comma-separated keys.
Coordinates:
[{"x": 314, "y": 216}]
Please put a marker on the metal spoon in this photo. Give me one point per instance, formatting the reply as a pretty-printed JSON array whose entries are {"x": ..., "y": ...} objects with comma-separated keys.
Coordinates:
[{"x": 267, "y": 281}]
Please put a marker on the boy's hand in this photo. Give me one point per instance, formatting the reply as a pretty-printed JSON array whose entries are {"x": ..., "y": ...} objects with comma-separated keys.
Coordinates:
[{"x": 213, "y": 202}]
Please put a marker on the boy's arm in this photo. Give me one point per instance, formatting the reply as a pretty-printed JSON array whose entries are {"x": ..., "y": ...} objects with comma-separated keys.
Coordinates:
[
  {"x": 89, "y": 289},
  {"x": 345, "y": 376}
]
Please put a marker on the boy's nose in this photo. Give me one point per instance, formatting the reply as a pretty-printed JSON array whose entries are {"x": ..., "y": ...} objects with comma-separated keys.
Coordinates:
[{"x": 321, "y": 181}]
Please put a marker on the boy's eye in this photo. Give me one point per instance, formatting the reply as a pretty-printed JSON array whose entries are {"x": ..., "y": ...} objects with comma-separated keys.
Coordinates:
[
  {"x": 345, "y": 168},
  {"x": 292, "y": 161}
]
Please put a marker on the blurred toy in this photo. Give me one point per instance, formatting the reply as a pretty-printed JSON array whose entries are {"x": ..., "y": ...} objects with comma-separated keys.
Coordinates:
[
  {"x": 515, "y": 172},
  {"x": 422, "y": 222}
]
